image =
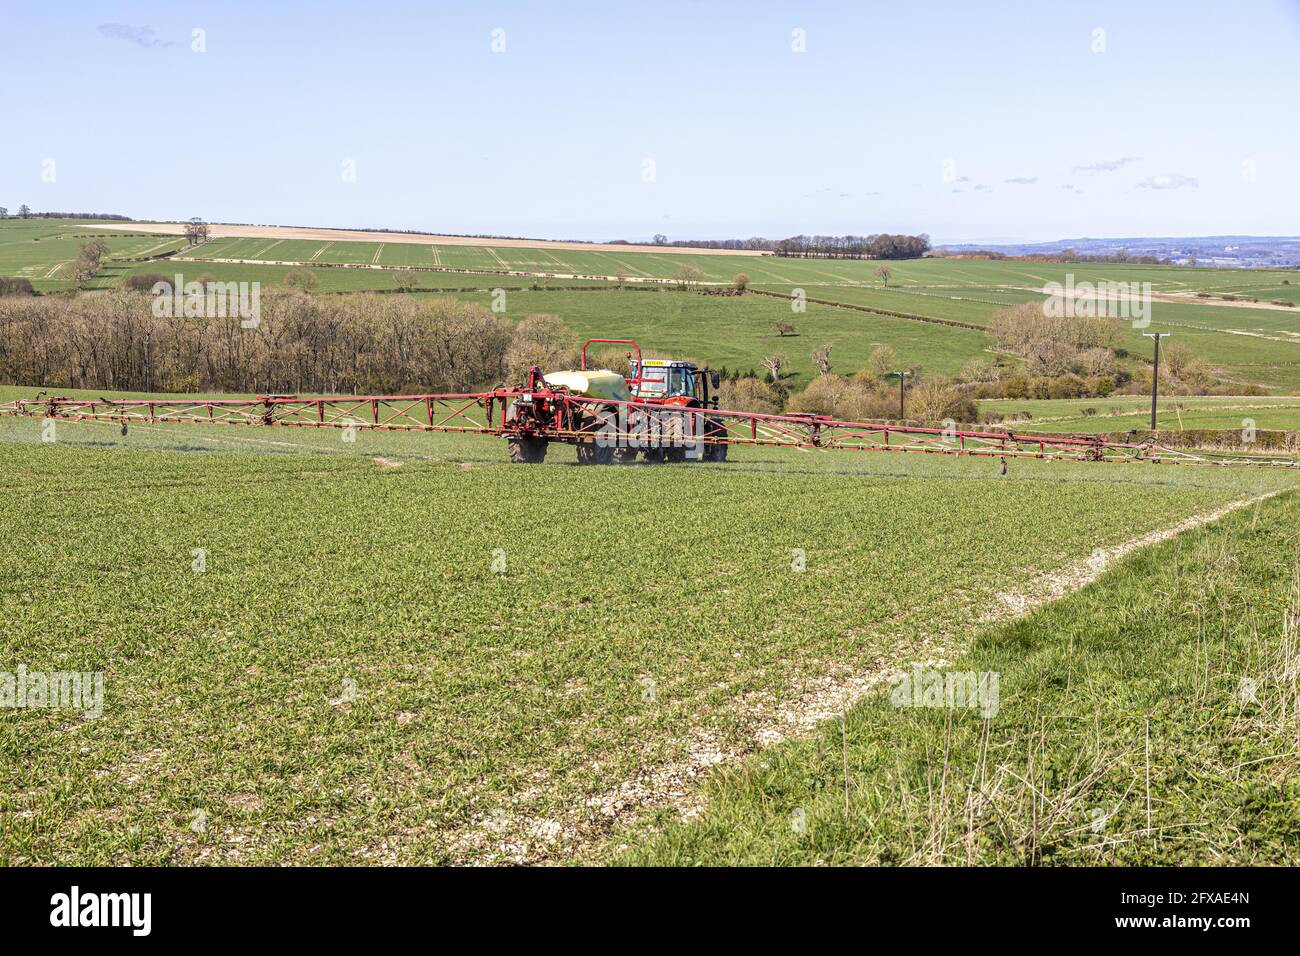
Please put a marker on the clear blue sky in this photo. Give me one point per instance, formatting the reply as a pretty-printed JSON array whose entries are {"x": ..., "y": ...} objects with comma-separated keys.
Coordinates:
[{"x": 550, "y": 137}]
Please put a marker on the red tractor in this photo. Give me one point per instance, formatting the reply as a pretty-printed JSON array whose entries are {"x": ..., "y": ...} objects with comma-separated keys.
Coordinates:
[{"x": 658, "y": 412}]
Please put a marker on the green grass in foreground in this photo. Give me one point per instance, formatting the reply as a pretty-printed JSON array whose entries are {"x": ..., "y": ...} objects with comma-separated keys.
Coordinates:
[
  {"x": 645, "y": 613},
  {"x": 1149, "y": 719}
]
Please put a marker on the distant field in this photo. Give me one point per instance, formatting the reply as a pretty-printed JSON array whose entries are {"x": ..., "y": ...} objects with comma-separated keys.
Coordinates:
[
  {"x": 41, "y": 249},
  {"x": 1126, "y": 412},
  {"x": 738, "y": 332},
  {"x": 1247, "y": 345}
]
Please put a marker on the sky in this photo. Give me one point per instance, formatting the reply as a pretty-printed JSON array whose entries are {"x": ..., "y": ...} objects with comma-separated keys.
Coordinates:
[{"x": 619, "y": 120}]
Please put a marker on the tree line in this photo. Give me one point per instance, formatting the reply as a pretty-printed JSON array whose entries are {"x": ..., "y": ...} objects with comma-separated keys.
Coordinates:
[
  {"x": 301, "y": 344},
  {"x": 880, "y": 246},
  {"x": 876, "y": 246},
  {"x": 25, "y": 212}
]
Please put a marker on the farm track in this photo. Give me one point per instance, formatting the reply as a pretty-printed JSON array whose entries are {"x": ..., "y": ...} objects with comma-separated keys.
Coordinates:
[{"x": 524, "y": 837}]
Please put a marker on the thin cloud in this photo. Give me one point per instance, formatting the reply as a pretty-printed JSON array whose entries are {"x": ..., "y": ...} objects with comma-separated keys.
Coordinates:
[
  {"x": 1106, "y": 165},
  {"x": 1021, "y": 181},
  {"x": 140, "y": 36},
  {"x": 1071, "y": 188},
  {"x": 983, "y": 188},
  {"x": 1169, "y": 181}
]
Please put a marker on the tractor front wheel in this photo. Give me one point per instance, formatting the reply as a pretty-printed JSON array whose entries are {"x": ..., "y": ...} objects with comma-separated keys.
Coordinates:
[{"x": 527, "y": 449}]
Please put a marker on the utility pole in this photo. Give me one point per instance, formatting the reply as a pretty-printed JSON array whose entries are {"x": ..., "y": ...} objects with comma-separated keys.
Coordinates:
[
  {"x": 901, "y": 413},
  {"x": 1155, "y": 372}
]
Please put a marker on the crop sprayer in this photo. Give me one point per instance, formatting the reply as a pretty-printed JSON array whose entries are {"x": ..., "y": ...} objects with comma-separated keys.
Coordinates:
[{"x": 663, "y": 411}]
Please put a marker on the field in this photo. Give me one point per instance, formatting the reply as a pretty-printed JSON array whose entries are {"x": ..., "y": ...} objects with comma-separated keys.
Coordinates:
[
  {"x": 349, "y": 680},
  {"x": 1121, "y": 413},
  {"x": 1256, "y": 346},
  {"x": 42, "y": 249},
  {"x": 1146, "y": 720},
  {"x": 406, "y": 650}
]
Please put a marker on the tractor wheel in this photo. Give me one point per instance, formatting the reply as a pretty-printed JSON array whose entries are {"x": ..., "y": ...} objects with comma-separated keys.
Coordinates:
[
  {"x": 602, "y": 426},
  {"x": 715, "y": 429},
  {"x": 527, "y": 450},
  {"x": 592, "y": 453}
]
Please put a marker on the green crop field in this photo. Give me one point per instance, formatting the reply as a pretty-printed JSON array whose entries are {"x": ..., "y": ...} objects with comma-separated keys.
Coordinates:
[
  {"x": 42, "y": 249},
  {"x": 737, "y": 332},
  {"x": 1148, "y": 719},
  {"x": 385, "y": 659}
]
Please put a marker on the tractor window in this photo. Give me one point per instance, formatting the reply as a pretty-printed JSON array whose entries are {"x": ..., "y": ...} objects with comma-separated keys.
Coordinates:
[
  {"x": 681, "y": 382},
  {"x": 654, "y": 382}
]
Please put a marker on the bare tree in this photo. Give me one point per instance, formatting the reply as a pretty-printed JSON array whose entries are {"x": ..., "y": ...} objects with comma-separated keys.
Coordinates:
[
  {"x": 883, "y": 273},
  {"x": 407, "y": 280},
  {"x": 822, "y": 358},
  {"x": 196, "y": 231},
  {"x": 775, "y": 365},
  {"x": 24, "y": 210},
  {"x": 661, "y": 239},
  {"x": 688, "y": 276},
  {"x": 883, "y": 360},
  {"x": 88, "y": 262},
  {"x": 300, "y": 279},
  {"x": 741, "y": 281},
  {"x": 3, "y": 212},
  {"x": 544, "y": 341}
]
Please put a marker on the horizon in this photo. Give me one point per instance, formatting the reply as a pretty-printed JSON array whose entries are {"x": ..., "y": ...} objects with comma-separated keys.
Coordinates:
[
  {"x": 1106, "y": 122},
  {"x": 935, "y": 243}
]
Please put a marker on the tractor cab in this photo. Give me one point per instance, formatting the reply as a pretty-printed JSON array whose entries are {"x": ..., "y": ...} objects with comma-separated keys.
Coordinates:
[
  {"x": 665, "y": 380},
  {"x": 673, "y": 382}
]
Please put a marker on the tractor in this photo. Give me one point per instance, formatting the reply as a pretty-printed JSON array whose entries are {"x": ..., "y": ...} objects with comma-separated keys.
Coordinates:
[{"x": 657, "y": 411}]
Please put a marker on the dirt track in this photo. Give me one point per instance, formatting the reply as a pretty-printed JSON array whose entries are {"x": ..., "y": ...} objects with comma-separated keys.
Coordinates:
[{"x": 218, "y": 231}]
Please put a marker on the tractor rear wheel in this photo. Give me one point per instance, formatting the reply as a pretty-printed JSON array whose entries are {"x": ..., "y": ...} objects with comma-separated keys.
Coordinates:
[
  {"x": 594, "y": 453},
  {"x": 715, "y": 429},
  {"x": 527, "y": 449}
]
